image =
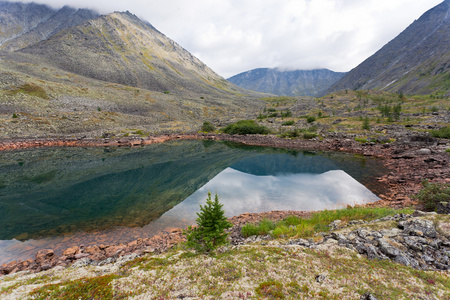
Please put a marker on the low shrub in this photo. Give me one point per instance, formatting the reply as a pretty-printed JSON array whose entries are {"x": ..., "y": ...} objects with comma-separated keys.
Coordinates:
[
  {"x": 290, "y": 134},
  {"x": 433, "y": 193},
  {"x": 288, "y": 123},
  {"x": 443, "y": 133},
  {"x": 208, "y": 127},
  {"x": 271, "y": 289},
  {"x": 310, "y": 119},
  {"x": 246, "y": 127},
  {"x": 309, "y": 135}
]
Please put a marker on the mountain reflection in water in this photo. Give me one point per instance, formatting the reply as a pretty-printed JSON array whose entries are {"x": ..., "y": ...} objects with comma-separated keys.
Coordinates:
[{"x": 60, "y": 197}]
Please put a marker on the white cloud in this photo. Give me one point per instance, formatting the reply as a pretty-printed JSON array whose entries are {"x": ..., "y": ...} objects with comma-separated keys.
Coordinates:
[{"x": 232, "y": 36}]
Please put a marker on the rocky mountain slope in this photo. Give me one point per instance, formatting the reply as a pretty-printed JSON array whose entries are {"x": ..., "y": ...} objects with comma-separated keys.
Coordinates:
[
  {"x": 123, "y": 49},
  {"x": 113, "y": 74},
  {"x": 289, "y": 83},
  {"x": 417, "y": 61},
  {"x": 25, "y": 24}
]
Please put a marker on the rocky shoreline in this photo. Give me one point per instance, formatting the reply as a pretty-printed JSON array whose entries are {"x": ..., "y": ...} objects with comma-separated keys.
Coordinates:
[{"x": 409, "y": 162}]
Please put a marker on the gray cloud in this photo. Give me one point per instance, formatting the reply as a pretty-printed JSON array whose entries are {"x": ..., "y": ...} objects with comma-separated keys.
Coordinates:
[{"x": 232, "y": 36}]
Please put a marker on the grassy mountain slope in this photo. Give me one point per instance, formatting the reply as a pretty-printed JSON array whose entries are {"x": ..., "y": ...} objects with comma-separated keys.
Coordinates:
[
  {"x": 415, "y": 62},
  {"x": 121, "y": 48},
  {"x": 289, "y": 83},
  {"x": 40, "y": 100}
]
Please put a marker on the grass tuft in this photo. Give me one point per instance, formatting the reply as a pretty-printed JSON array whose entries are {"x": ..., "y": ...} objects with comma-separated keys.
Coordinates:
[{"x": 294, "y": 226}]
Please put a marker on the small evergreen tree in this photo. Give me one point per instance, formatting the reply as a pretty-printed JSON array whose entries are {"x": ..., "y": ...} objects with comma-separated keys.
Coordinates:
[
  {"x": 211, "y": 225},
  {"x": 366, "y": 123}
]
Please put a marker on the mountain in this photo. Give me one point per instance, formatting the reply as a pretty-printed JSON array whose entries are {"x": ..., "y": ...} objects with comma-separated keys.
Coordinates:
[
  {"x": 111, "y": 75},
  {"x": 417, "y": 61},
  {"x": 25, "y": 24},
  {"x": 289, "y": 83},
  {"x": 121, "y": 48}
]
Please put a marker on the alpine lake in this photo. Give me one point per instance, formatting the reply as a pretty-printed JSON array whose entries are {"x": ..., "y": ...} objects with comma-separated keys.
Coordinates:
[{"x": 61, "y": 197}]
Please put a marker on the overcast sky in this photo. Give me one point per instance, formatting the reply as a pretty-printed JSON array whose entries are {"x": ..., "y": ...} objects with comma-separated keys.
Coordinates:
[{"x": 233, "y": 36}]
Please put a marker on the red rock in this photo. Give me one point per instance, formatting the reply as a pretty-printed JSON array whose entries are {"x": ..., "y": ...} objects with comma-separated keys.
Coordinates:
[
  {"x": 81, "y": 255},
  {"x": 72, "y": 251},
  {"x": 114, "y": 250},
  {"x": 43, "y": 255},
  {"x": 92, "y": 249}
]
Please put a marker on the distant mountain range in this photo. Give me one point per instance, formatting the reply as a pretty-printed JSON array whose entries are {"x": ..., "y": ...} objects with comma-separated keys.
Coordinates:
[
  {"x": 417, "y": 61},
  {"x": 289, "y": 83}
]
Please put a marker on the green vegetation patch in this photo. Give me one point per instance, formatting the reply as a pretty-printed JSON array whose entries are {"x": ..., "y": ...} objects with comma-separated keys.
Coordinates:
[
  {"x": 288, "y": 123},
  {"x": 30, "y": 89},
  {"x": 272, "y": 289},
  {"x": 208, "y": 127},
  {"x": 84, "y": 288},
  {"x": 246, "y": 127},
  {"x": 433, "y": 193},
  {"x": 294, "y": 226},
  {"x": 443, "y": 133}
]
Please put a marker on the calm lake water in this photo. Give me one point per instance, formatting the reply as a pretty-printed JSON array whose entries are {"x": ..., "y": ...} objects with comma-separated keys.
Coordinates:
[{"x": 60, "y": 197}]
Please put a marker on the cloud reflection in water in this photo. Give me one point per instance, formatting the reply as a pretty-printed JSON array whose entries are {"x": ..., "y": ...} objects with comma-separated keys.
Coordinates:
[{"x": 242, "y": 192}]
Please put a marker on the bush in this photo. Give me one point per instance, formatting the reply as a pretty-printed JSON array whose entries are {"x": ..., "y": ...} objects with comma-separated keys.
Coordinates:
[
  {"x": 310, "y": 119},
  {"x": 208, "y": 127},
  {"x": 309, "y": 135},
  {"x": 245, "y": 127},
  {"x": 211, "y": 225},
  {"x": 443, "y": 133},
  {"x": 286, "y": 114},
  {"x": 288, "y": 123},
  {"x": 15, "y": 116},
  {"x": 290, "y": 134},
  {"x": 433, "y": 193}
]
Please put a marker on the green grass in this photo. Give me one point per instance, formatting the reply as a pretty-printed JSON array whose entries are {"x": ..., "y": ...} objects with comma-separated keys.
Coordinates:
[
  {"x": 30, "y": 89},
  {"x": 318, "y": 222},
  {"x": 85, "y": 288}
]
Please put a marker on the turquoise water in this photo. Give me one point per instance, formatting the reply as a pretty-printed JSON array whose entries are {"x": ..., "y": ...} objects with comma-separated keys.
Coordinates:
[{"x": 59, "y": 197}]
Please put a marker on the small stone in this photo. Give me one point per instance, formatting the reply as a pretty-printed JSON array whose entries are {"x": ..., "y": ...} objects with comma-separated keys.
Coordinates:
[
  {"x": 367, "y": 296},
  {"x": 320, "y": 278},
  {"x": 427, "y": 258},
  {"x": 423, "y": 151}
]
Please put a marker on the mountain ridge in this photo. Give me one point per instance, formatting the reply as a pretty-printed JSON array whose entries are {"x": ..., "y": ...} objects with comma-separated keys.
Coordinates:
[
  {"x": 36, "y": 22},
  {"x": 289, "y": 83},
  {"x": 121, "y": 48},
  {"x": 416, "y": 61}
]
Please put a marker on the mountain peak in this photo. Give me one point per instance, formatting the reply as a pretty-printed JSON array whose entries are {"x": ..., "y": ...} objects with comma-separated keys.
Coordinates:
[
  {"x": 24, "y": 24},
  {"x": 121, "y": 48}
]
